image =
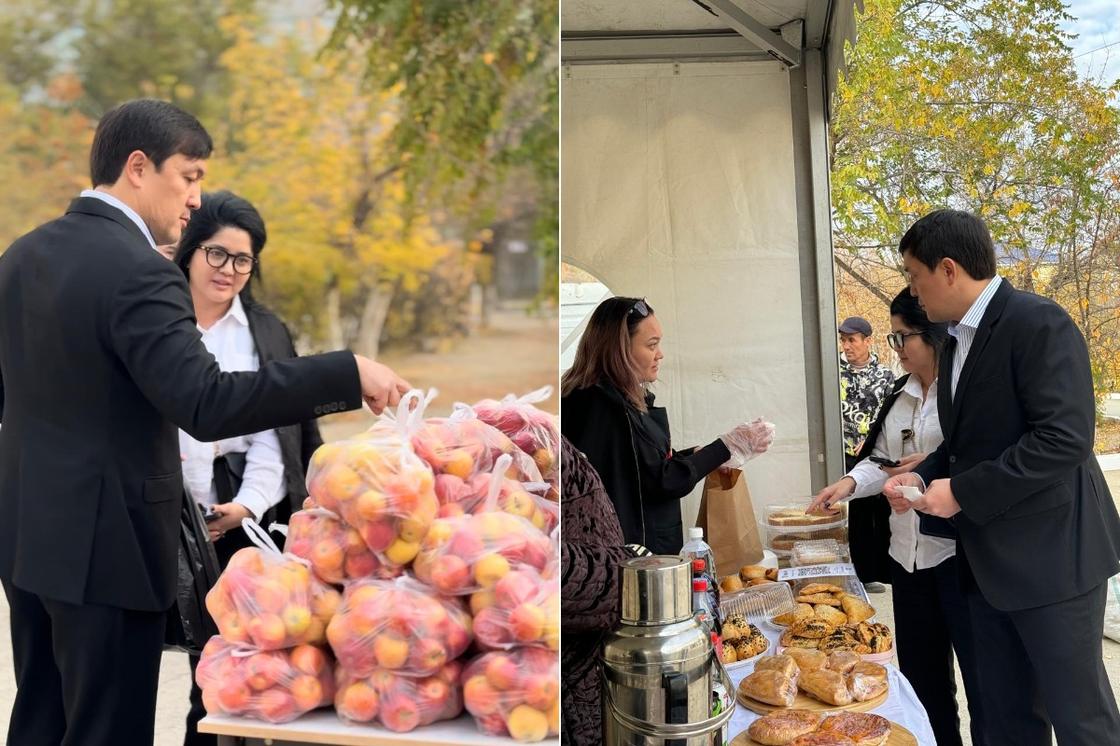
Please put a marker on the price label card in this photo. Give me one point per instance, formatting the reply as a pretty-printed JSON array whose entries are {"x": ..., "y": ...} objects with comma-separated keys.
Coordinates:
[{"x": 816, "y": 571}]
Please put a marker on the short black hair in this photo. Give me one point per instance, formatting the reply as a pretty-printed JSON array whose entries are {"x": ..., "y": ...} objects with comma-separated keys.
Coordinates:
[
  {"x": 223, "y": 210},
  {"x": 953, "y": 234},
  {"x": 156, "y": 128},
  {"x": 906, "y": 307}
]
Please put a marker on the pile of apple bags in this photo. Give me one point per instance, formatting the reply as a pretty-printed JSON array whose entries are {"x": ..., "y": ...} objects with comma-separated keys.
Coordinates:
[{"x": 408, "y": 552}]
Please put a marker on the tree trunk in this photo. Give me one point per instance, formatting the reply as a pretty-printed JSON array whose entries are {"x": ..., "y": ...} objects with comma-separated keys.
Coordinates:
[
  {"x": 374, "y": 313},
  {"x": 335, "y": 339}
]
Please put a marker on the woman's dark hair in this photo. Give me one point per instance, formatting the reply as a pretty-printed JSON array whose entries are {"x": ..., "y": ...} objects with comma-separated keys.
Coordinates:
[
  {"x": 223, "y": 210},
  {"x": 156, "y": 128},
  {"x": 934, "y": 334},
  {"x": 954, "y": 234},
  {"x": 603, "y": 355}
]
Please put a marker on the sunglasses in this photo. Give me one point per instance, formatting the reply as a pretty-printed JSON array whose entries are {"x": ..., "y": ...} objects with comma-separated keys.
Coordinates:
[
  {"x": 639, "y": 308},
  {"x": 897, "y": 340}
]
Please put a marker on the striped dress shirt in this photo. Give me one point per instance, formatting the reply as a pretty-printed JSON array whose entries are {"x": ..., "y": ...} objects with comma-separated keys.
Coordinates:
[{"x": 965, "y": 330}]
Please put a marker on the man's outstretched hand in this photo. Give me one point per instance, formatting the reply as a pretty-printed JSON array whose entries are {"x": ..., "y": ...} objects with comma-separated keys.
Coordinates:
[{"x": 381, "y": 386}]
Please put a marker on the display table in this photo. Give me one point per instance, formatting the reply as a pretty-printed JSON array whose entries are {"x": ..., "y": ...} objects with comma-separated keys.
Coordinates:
[
  {"x": 324, "y": 727},
  {"x": 902, "y": 705}
]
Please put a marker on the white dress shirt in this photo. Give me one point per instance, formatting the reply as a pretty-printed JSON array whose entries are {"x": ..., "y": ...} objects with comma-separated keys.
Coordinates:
[
  {"x": 909, "y": 547},
  {"x": 965, "y": 329},
  {"x": 231, "y": 343},
  {"x": 128, "y": 211}
]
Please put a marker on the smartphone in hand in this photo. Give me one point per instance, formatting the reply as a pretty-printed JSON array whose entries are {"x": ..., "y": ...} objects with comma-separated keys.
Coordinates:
[{"x": 884, "y": 461}]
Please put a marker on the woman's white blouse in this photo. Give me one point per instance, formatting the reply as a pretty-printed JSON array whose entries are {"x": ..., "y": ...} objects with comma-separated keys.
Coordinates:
[
  {"x": 909, "y": 547},
  {"x": 231, "y": 343}
]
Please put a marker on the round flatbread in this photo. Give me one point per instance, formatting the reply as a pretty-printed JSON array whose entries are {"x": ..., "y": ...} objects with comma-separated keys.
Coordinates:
[{"x": 781, "y": 727}]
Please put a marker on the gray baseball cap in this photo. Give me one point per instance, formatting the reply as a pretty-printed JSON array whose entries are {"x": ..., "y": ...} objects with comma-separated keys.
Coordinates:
[{"x": 855, "y": 325}]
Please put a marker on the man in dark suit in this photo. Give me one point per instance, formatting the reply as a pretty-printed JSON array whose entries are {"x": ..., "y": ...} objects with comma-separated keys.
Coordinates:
[
  {"x": 1016, "y": 475},
  {"x": 100, "y": 363}
]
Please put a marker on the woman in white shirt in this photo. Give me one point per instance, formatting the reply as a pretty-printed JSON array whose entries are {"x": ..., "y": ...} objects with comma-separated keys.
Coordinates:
[
  {"x": 220, "y": 254},
  {"x": 931, "y": 615}
]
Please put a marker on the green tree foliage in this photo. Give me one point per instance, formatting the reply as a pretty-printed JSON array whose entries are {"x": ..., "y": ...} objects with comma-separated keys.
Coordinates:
[{"x": 977, "y": 105}]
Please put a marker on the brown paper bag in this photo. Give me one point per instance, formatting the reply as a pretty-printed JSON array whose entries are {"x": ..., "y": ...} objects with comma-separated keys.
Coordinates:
[{"x": 727, "y": 517}]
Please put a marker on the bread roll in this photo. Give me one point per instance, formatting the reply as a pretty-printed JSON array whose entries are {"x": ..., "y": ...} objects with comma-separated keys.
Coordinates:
[
  {"x": 769, "y": 687},
  {"x": 727, "y": 654},
  {"x": 807, "y": 660},
  {"x": 863, "y": 728},
  {"x": 827, "y": 686},
  {"x": 780, "y": 727},
  {"x": 752, "y": 572},
  {"x": 730, "y": 584},
  {"x": 785, "y": 664}
]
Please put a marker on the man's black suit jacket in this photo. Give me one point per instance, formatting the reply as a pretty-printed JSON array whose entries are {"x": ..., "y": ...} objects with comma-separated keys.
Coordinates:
[
  {"x": 100, "y": 362},
  {"x": 1037, "y": 523}
]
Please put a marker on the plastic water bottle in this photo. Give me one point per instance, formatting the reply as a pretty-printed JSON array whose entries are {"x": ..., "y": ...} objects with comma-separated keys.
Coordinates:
[{"x": 697, "y": 548}]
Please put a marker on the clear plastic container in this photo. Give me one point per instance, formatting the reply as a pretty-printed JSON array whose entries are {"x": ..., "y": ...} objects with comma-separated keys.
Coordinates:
[
  {"x": 785, "y": 525},
  {"x": 818, "y": 552},
  {"x": 758, "y": 602}
]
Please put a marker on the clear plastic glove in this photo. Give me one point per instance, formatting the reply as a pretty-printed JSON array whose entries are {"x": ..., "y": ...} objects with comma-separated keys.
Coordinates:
[{"x": 747, "y": 441}]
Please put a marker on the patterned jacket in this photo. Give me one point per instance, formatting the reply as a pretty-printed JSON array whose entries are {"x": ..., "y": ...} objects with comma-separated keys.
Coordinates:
[{"x": 862, "y": 391}]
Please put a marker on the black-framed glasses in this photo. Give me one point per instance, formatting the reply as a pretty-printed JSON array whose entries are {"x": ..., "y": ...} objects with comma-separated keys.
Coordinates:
[
  {"x": 897, "y": 340},
  {"x": 217, "y": 257},
  {"x": 639, "y": 308}
]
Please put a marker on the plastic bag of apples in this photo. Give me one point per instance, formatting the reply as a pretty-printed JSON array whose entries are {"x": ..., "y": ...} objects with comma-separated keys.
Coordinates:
[
  {"x": 532, "y": 430},
  {"x": 400, "y": 703},
  {"x": 462, "y": 451},
  {"x": 378, "y": 484},
  {"x": 473, "y": 552},
  {"x": 272, "y": 685},
  {"x": 336, "y": 550},
  {"x": 398, "y": 625},
  {"x": 523, "y": 608},
  {"x": 515, "y": 693},
  {"x": 268, "y": 599}
]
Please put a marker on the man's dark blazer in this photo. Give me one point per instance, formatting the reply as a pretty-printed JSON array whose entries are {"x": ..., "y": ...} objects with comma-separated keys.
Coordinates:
[
  {"x": 100, "y": 362},
  {"x": 1037, "y": 522}
]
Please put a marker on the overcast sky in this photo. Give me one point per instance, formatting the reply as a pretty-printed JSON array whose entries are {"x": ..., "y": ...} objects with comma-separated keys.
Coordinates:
[{"x": 1097, "y": 25}]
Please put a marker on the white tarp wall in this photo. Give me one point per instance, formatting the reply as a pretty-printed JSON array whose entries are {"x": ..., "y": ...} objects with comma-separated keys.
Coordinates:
[{"x": 678, "y": 185}]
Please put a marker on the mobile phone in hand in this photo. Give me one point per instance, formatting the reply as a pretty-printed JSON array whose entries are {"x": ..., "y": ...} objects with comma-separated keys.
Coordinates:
[
  {"x": 211, "y": 515},
  {"x": 884, "y": 461}
]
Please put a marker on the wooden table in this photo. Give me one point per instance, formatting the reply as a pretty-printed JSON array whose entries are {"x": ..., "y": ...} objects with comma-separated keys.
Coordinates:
[{"x": 324, "y": 727}]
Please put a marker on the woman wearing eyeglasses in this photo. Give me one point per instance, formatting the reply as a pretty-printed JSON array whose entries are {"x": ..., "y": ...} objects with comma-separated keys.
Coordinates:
[
  {"x": 607, "y": 413},
  {"x": 259, "y": 476},
  {"x": 931, "y": 614}
]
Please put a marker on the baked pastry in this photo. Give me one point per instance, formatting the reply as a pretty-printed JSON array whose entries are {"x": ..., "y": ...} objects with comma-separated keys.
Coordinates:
[
  {"x": 822, "y": 739},
  {"x": 752, "y": 572},
  {"x": 842, "y": 661},
  {"x": 749, "y": 647},
  {"x": 780, "y": 727},
  {"x": 772, "y": 574},
  {"x": 830, "y": 614},
  {"x": 813, "y": 627},
  {"x": 769, "y": 687},
  {"x": 807, "y": 660},
  {"x": 867, "y": 681},
  {"x": 798, "y": 517},
  {"x": 727, "y": 653},
  {"x": 827, "y": 686},
  {"x": 731, "y": 583},
  {"x": 803, "y": 611},
  {"x": 784, "y": 664},
  {"x": 856, "y": 609},
  {"x": 863, "y": 728},
  {"x": 819, "y": 598},
  {"x": 758, "y": 581},
  {"x": 812, "y": 588},
  {"x": 735, "y": 626},
  {"x": 790, "y": 640}
]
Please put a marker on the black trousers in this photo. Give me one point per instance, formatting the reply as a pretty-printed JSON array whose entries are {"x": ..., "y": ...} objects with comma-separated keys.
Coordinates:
[
  {"x": 931, "y": 622},
  {"x": 1042, "y": 668},
  {"x": 86, "y": 675},
  {"x": 225, "y": 548}
]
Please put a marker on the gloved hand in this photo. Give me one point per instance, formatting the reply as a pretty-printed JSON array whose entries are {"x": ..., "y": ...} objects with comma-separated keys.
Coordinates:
[{"x": 747, "y": 441}]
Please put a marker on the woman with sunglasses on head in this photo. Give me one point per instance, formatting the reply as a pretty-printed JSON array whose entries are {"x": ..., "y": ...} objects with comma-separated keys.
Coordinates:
[
  {"x": 259, "y": 476},
  {"x": 930, "y": 611},
  {"x": 607, "y": 413}
]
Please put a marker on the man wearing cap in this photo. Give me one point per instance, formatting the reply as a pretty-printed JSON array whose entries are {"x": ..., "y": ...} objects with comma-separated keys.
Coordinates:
[{"x": 864, "y": 384}]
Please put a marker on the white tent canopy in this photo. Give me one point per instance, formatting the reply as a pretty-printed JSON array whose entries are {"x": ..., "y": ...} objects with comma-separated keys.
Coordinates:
[{"x": 695, "y": 174}]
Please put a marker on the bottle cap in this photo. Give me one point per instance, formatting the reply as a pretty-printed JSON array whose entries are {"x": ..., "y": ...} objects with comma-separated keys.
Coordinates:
[
  {"x": 698, "y": 565},
  {"x": 699, "y": 584},
  {"x": 695, "y": 533}
]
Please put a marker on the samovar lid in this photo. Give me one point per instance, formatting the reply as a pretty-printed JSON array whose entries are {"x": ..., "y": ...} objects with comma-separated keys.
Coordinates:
[{"x": 656, "y": 590}]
